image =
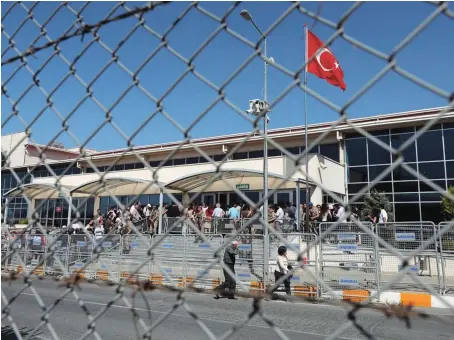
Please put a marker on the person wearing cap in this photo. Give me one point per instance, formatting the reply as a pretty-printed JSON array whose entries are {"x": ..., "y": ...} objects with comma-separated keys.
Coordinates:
[
  {"x": 282, "y": 268},
  {"x": 229, "y": 260}
]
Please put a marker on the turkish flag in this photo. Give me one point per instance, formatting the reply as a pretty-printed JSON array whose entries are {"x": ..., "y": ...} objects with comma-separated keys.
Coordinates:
[{"x": 324, "y": 65}]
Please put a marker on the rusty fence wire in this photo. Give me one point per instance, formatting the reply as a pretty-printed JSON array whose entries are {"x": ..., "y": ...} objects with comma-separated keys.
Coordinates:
[{"x": 25, "y": 257}]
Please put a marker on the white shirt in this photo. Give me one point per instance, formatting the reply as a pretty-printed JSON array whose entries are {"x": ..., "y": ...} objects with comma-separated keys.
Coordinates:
[
  {"x": 383, "y": 216},
  {"x": 99, "y": 232},
  {"x": 218, "y": 212},
  {"x": 282, "y": 264},
  {"x": 147, "y": 212},
  {"x": 134, "y": 213},
  {"x": 341, "y": 215},
  {"x": 280, "y": 215}
]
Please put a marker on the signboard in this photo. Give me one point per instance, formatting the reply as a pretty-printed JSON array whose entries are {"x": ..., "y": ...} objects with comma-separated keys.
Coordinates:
[
  {"x": 244, "y": 275},
  {"x": 242, "y": 186},
  {"x": 204, "y": 245},
  {"x": 167, "y": 270},
  {"x": 135, "y": 245},
  {"x": 403, "y": 237},
  {"x": 412, "y": 269},
  {"x": 81, "y": 243},
  {"x": 168, "y": 245},
  {"x": 107, "y": 244},
  {"x": 346, "y": 237},
  {"x": 348, "y": 282},
  {"x": 58, "y": 209},
  {"x": 78, "y": 265},
  {"x": 347, "y": 247}
]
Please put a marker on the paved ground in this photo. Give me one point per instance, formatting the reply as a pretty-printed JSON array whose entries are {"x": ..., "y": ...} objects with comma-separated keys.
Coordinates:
[{"x": 298, "y": 321}]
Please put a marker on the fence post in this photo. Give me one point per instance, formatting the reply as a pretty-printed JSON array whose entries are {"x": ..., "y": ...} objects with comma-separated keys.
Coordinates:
[
  {"x": 377, "y": 261},
  {"x": 443, "y": 273}
]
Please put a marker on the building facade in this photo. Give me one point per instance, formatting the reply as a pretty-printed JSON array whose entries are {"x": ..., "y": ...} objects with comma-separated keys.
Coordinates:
[{"x": 344, "y": 161}]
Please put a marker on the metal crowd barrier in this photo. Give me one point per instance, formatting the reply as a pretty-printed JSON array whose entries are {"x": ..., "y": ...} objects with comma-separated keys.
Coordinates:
[{"x": 347, "y": 257}]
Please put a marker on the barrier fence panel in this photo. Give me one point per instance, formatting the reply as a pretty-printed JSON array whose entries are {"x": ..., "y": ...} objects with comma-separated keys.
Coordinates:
[
  {"x": 198, "y": 255},
  {"x": 300, "y": 252},
  {"x": 174, "y": 225},
  {"x": 134, "y": 250},
  {"x": 227, "y": 225},
  {"x": 446, "y": 248},
  {"x": 35, "y": 252},
  {"x": 406, "y": 237},
  {"x": 81, "y": 255},
  {"x": 57, "y": 264},
  {"x": 348, "y": 259}
]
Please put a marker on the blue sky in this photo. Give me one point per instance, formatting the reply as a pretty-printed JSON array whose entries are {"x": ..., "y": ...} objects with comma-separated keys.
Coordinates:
[{"x": 379, "y": 25}]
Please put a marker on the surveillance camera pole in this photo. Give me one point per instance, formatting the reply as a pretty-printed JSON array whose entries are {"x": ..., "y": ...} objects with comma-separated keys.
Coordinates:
[{"x": 245, "y": 14}]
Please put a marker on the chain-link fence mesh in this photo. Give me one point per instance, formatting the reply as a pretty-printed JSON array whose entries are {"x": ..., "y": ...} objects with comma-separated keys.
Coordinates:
[{"x": 187, "y": 255}]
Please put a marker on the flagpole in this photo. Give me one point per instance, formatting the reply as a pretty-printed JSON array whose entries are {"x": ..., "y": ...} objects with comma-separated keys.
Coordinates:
[{"x": 305, "y": 126}]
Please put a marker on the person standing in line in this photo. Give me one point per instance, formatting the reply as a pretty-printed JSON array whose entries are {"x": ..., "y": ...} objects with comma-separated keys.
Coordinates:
[
  {"x": 279, "y": 218},
  {"x": 383, "y": 218},
  {"x": 230, "y": 283},
  {"x": 282, "y": 268}
]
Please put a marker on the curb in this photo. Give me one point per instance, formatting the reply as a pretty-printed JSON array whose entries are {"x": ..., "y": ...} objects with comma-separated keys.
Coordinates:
[{"x": 415, "y": 299}]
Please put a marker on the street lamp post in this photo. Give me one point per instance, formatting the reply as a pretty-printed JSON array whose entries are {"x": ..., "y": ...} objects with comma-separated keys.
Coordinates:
[{"x": 247, "y": 16}]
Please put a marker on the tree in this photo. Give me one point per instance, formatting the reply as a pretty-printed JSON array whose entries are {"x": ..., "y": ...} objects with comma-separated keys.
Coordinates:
[
  {"x": 373, "y": 203},
  {"x": 447, "y": 205}
]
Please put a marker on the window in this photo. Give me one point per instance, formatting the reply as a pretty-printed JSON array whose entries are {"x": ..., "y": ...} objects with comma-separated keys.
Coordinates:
[
  {"x": 375, "y": 171},
  {"x": 409, "y": 153},
  {"x": 413, "y": 197},
  {"x": 138, "y": 166},
  {"x": 403, "y": 129},
  {"x": 357, "y": 174},
  {"x": 168, "y": 163},
  {"x": 179, "y": 161},
  {"x": 383, "y": 187},
  {"x": 379, "y": 132},
  {"x": 401, "y": 174},
  {"x": 218, "y": 158},
  {"x": 192, "y": 160},
  {"x": 330, "y": 151},
  {"x": 118, "y": 167},
  {"x": 202, "y": 159},
  {"x": 378, "y": 154},
  {"x": 355, "y": 188},
  {"x": 406, "y": 212},
  {"x": 129, "y": 166},
  {"x": 448, "y": 136},
  {"x": 240, "y": 155},
  {"x": 295, "y": 150},
  {"x": 448, "y": 125},
  {"x": 155, "y": 164},
  {"x": 450, "y": 169},
  {"x": 356, "y": 151},
  {"x": 430, "y": 197},
  {"x": 274, "y": 152},
  {"x": 431, "y": 212},
  {"x": 425, "y": 187},
  {"x": 409, "y": 186},
  {"x": 256, "y": 154},
  {"x": 430, "y": 147},
  {"x": 435, "y": 170}
]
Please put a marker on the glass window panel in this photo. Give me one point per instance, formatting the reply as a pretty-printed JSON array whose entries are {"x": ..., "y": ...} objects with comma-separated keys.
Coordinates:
[
  {"x": 118, "y": 167},
  {"x": 154, "y": 199},
  {"x": 168, "y": 163},
  {"x": 356, "y": 151},
  {"x": 179, "y": 161},
  {"x": 375, "y": 171},
  {"x": 129, "y": 166},
  {"x": 155, "y": 164},
  {"x": 401, "y": 174},
  {"x": 413, "y": 197},
  {"x": 448, "y": 125},
  {"x": 104, "y": 204},
  {"x": 138, "y": 166},
  {"x": 274, "y": 152},
  {"x": 431, "y": 212},
  {"x": 379, "y": 132},
  {"x": 143, "y": 199},
  {"x": 450, "y": 183},
  {"x": 406, "y": 212},
  {"x": 408, "y": 186},
  {"x": 256, "y": 154},
  {"x": 425, "y": 187},
  {"x": 359, "y": 200},
  {"x": 430, "y": 146},
  {"x": 90, "y": 207},
  {"x": 403, "y": 129},
  {"x": 383, "y": 187},
  {"x": 357, "y": 174},
  {"x": 354, "y": 188},
  {"x": 240, "y": 155},
  {"x": 377, "y": 154},
  {"x": 76, "y": 171},
  {"x": 353, "y": 135},
  {"x": 448, "y": 136},
  {"x": 89, "y": 170},
  {"x": 409, "y": 153},
  {"x": 192, "y": 160},
  {"x": 254, "y": 196},
  {"x": 218, "y": 158},
  {"x": 202, "y": 159},
  {"x": 434, "y": 170},
  {"x": 295, "y": 150},
  {"x": 450, "y": 169},
  {"x": 433, "y": 127},
  {"x": 330, "y": 151},
  {"x": 431, "y": 196}
]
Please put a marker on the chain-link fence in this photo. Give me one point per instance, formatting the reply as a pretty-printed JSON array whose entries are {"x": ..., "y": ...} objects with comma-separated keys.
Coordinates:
[{"x": 349, "y": 264}]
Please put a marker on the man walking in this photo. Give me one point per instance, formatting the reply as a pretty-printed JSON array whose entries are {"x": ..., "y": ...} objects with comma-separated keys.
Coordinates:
[{"x": 230, "y": 283}]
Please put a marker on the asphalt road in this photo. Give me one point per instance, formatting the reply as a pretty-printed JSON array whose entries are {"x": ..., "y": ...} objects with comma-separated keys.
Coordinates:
[{"x": 296, "y": 320}]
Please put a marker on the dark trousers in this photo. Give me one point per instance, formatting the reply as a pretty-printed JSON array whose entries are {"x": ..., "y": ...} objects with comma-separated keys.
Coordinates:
[
  {"x": 277, "y": 276},
  {"x": 229, "y": 283}
]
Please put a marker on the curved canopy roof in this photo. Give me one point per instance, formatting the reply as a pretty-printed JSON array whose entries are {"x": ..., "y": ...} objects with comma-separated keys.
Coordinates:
[
  {"x": 191, "y": 182},
  {"x": 106, "y": 184},
  {"x": 32, "y": 190}
]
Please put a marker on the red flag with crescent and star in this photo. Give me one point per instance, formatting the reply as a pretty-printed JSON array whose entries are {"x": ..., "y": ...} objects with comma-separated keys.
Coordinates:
[{"x": 324, "y": 65}]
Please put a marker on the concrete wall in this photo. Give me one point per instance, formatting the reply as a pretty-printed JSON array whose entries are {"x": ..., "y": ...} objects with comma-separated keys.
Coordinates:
[{"x": 16, "y": 141}]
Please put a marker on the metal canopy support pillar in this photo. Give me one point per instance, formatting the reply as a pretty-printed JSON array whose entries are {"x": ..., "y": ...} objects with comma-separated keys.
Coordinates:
[
  {"x": 297, "y": 217},
  {"x": 5, "y": 217},
  {"x": 161, "y": 198},
  {"x": 70, "y": 204}
]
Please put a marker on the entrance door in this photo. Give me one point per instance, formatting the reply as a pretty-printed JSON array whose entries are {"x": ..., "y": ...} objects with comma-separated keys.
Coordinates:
[
  {"x": 282, "y": 197},
  {"x": 209, "y": 199}
]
